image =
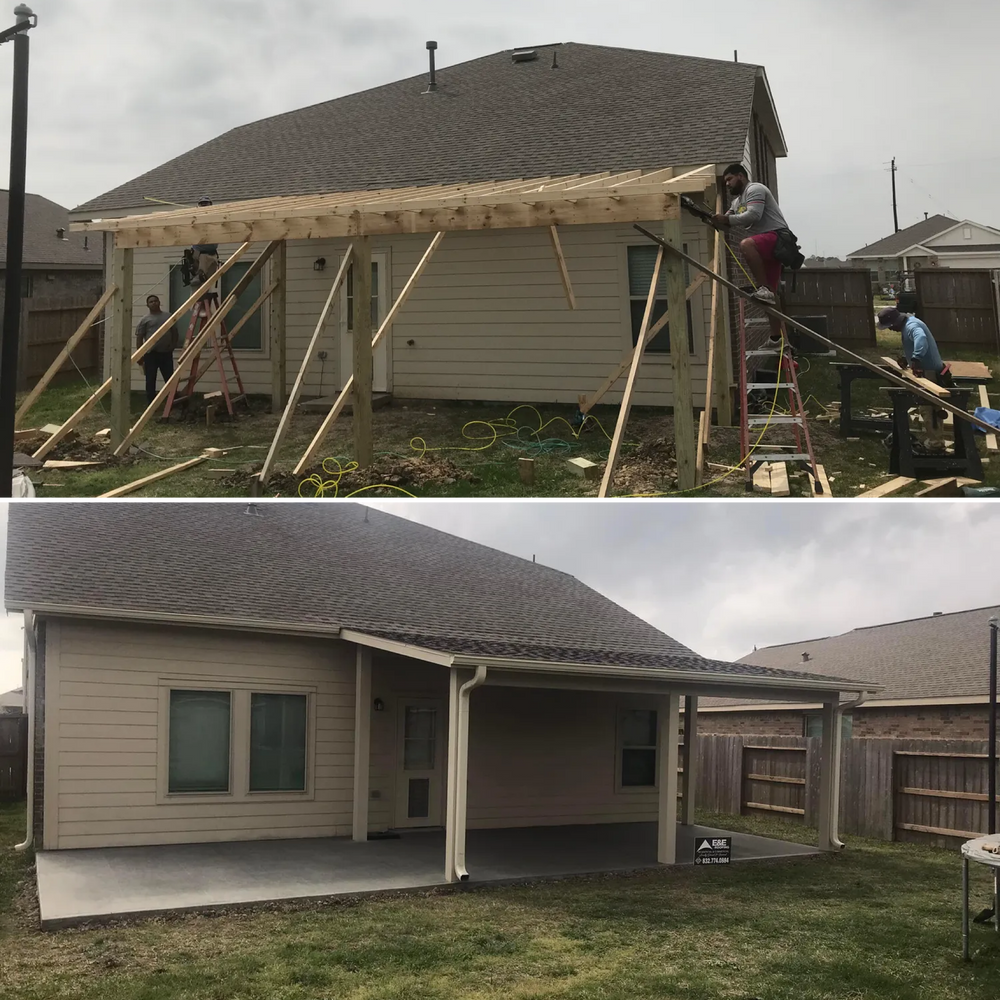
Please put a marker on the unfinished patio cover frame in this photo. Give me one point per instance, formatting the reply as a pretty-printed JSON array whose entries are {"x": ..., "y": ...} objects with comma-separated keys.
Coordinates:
[
  {"x": 548, "y": 202},
  {"x": 666, "y": 688}
]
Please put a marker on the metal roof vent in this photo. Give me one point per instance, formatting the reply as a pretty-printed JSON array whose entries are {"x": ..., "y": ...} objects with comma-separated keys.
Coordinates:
[
  {"x": 61, "y": 234},
  {"x": 806, "y": 657},
  {"x": 937, "y": 614},
  {"x": 524, "y": 55},
  {"x": 253, "y": 510},
  {"x": 432, "y": 85}
]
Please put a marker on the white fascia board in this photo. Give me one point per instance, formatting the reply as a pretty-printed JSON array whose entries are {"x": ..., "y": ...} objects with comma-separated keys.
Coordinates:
[{"x": 398, "y": 648}]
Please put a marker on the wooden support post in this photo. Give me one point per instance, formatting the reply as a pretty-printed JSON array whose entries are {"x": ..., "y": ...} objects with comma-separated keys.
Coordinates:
[
  {"x": 680, "y": 361},
  {"x": 705, "y": 429},
  {"x": 105, "y": 388},
  {"x": 722, "y": 373},
  {"x": 364, "y": 453},
  {"x": 54, "y": 368},
  {"x": 317, "y": 442},
  {"x": 563, "y": 269},
  {"x": 362, "y": 741},
  {"x": 633, "y": 376},
  {"x": 829, "y": 782},
  {"x": 668, "y": 722},
  {"x": 276, "y": 327},
  {"x": 293, "y": 399},
  {"x": 688, "y": 777},
  {"x": 121, "y": 345}
]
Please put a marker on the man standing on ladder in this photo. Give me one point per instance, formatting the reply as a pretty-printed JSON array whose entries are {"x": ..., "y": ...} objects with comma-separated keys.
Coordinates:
[
  {"x": 755, "y": 211},
  {"x": 161, "y": 358}
]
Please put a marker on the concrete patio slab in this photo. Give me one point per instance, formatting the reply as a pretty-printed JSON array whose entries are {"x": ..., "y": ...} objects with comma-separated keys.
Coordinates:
[{"x": 84, "y": 886}]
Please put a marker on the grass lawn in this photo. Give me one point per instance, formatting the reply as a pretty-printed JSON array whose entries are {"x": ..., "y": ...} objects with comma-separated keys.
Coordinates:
[
  {"x": 450, "y": 449},
  {"x": 879, "y": 922}
]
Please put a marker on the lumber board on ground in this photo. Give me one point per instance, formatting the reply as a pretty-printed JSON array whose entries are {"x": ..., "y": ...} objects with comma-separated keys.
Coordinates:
[
  {"x": 984, "y": 400},
  {"x": 941, "y": 488},
  {"x": 779, "y": 480},
  {"x": 633, "y": 376},
  {"x": 140, "y": 483},
  {"x": 826, "y": 494},
  {"x": 82, "y": 330},
  {"x": 969, "y": 369},
  {"x": 893, "y": 486},
  {"x": 317, "y": 442},
  {"x": 53, "y": 464},
  {"x": 293, "y": 399},
  {"x": 526, "y": 471},
  {"x": 563, "y": 269},
  {"x": 933, "y": 387},
  {"x": 150, "y": 343}
]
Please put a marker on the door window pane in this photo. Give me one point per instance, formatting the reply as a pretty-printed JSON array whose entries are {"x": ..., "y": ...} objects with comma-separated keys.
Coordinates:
[
  {"x": 419, "y": 738},
  {"x": 277, "y": 743},
  {"x": 199, "y": 741}
]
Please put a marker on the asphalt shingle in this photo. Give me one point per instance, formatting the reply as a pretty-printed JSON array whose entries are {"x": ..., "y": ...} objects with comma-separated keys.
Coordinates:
[
  {"x": 328, "y": 566},
  {"x": 491, "y": 119},
  {"x": 42, "y": 221}
]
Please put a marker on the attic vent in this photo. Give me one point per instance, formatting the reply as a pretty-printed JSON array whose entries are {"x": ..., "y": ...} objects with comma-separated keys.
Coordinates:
[
  {"x": 253, "y": 510},
  {"x": 60, "y": 233},
  {"x": 806, "y": 657},
  {"x": 937, "y": 614},
  {"x": 525, "y": 55}
]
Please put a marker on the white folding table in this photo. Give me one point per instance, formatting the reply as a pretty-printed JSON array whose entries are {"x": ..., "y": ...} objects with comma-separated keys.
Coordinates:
[{"x": 975, "y": 851}]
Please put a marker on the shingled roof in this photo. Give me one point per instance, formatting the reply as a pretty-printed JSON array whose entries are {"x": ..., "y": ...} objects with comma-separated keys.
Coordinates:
[
  {"x": 42, "y": 246},
  {"x": 893, "y": 246},
  {"x": 942, "y": 656},
  {"x": 490, "y": 119},
  {"x": 327, "y": 567}
]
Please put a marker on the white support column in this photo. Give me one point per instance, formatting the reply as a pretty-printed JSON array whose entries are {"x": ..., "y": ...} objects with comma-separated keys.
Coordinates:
[
  {"x": 362, "y": 741},
  {"x": 688, "y": 763},
  {"x": 668, "y": 718},
  {"x": 829, "y": 780},
  {"x": 454, "y": 685}
]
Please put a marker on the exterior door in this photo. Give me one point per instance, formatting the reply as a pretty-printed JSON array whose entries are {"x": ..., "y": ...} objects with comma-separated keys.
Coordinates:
[
  {"x": 380, "y": 308},
  {"x": 421, "y": 747}
]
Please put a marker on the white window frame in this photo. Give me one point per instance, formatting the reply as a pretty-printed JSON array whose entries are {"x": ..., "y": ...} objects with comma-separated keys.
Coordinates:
[
  {"x": 239, "y": 740},
  {"x": 620, "y": 747}
]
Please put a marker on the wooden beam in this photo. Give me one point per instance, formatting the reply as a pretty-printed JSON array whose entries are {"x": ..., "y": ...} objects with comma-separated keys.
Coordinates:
[
  {"x": 364, "y": 453},
  {"x": 680, "y": 363},
  {"x": 984, "y": 400},
  {"x": 121, "y": 344},
  {"x": 293, "y": 399},
  {"x": 893, "y": 486},
  {"x": 341, "y": 401},
  {"x": 563, "y": 269},
  {"x": 937, "y": 390},
  {"x": 140, "y": 483},
  {"x": 587, "y": 403},
  {"x": 195, "y": 348},
  {"x": 54, "y": 368},
  {"x": 633, "y": 376},
  {"x": 90, "y": 403},
  {"x": 277, "y": 321}
]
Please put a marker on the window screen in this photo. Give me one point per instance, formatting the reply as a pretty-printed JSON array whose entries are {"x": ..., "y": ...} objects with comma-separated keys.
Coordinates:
[
  {"x": 199, "y": 741},
  {"x": 277, "y": 743}
]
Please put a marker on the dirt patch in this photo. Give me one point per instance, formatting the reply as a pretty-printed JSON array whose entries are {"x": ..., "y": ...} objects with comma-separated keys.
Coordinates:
[{"x": 649, "y": 467}]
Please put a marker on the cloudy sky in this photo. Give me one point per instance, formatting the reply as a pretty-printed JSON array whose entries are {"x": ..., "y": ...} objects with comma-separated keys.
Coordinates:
[
  {"x": 121, "y": 86},
  {"x": 724, "y": 577}
]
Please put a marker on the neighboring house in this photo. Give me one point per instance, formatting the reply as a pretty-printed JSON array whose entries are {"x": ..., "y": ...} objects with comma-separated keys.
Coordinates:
[
  {"x": 334, "y": 671},
  {"x": 935, "y": 674},
  {"x": 938, "y": 241},
  {"x": 57, "y": 263},
  {"x": 12, "y": 702},
  {"x": 489, "y": 319},
  {"x": 828, "y": 262}
]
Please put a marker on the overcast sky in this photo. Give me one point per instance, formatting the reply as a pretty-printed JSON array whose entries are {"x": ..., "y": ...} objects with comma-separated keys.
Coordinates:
[
  {"x": 724, "y": 577},
  {"x": 121, "y": 86}
]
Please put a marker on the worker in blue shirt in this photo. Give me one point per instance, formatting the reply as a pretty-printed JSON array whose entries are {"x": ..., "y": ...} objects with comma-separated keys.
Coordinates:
[{"x": 921, "y": 356}]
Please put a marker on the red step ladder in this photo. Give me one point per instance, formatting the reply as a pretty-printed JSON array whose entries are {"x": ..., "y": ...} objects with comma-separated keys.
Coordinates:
[{"x": 221, "y": 350}]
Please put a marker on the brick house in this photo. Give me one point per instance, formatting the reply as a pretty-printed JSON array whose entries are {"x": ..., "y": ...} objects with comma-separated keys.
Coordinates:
[{"x": 935, "y": 672}]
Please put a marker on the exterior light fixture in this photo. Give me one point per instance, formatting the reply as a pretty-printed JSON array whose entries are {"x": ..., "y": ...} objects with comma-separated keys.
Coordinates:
[
  {"x": 320, "y": 264},
  {"x": 379, "y": 705}
]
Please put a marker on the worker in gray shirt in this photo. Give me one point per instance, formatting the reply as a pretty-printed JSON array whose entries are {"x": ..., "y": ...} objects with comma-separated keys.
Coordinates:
[{"x": 161, "y": 357}]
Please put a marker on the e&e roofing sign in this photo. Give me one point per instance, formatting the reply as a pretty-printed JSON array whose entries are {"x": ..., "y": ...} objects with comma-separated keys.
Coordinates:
[{"x": 713, "y": 851}]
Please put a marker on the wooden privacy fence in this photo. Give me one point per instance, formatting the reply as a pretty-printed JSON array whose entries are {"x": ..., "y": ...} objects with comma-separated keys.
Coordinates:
[
  {"x": 925, "y": 791},
  {"x": 46, "y": 325},
  {"x": 13, "y": 757},
  {"x": 961, "y": 307},
  {"x": 843, "y": 297}
]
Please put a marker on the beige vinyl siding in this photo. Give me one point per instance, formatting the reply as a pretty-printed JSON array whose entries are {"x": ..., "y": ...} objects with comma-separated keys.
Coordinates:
[
  {"x": 488, "y": 319},
  {"x": 105, "y": 740}
]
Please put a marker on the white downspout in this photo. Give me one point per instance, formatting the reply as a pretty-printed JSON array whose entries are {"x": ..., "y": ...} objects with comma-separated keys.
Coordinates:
[
  {"x": 835, "y": 843},
  {"x": 28, "y": 682},
  {"x": 462, "y": 770}
]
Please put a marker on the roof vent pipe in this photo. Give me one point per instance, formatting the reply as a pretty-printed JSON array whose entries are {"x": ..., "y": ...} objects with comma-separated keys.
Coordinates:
[
  {"x": 555, "y": 60},
  {"x": 60, "y": 233},
  {"x": 432, "y": 86},
  {"x": 806, "y": 657}
]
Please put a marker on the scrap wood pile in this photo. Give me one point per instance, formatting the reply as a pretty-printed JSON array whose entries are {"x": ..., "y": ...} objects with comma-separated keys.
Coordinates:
[
  {"x": 648, "y": 467},
  {"x": 72, "y": 453}
]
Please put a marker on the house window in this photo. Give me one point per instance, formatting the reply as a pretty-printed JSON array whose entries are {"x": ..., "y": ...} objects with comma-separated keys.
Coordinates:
[
  {"x": 350, "y": 297},
  {"x": 813, "y": 726},
  {"x": 200, "y": 723},
  {"x": 251, "y": 336},
  {"x": 637, "y": 748},
  {"x": 641, "y": 264},
  {"x": 278, "y": 742}
]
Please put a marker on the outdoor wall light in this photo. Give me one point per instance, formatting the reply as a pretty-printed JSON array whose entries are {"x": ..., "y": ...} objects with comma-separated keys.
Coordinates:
[
  {"x": 379, "y": 705},
  {"x": 320, "y": 264}
]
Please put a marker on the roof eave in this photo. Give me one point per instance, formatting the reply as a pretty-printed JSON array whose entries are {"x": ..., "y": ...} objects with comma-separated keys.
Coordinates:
[{"x": 782, "y": 151}]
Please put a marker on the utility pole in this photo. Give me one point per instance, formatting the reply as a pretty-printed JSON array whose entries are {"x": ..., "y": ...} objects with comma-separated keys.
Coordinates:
[
  {"x": 895, "y": 210},
  {"x": 991, "y": 780},
  {"x": 26, "y": 19}
]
